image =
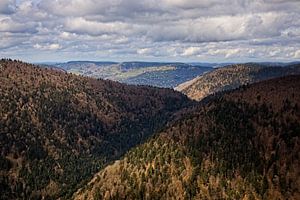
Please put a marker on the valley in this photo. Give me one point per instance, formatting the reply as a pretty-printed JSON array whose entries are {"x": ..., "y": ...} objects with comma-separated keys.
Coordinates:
[
  {"x": 57, "y": 129},
  {"x": 242, "y": 144},
  {"x": 149, "y": 100},
  {"x": 67, "y": 136}
]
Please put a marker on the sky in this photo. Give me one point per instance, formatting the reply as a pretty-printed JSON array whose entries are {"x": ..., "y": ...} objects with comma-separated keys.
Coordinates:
[{"x": 150, "y": 30}]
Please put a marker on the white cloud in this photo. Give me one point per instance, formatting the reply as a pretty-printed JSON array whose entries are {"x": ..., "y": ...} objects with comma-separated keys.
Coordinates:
[
  {"x": 190, "y": 4},
  {"x": 8, "y": 25},
  {"x": 297, "y": 54},
  {"x": 191, "y": 51},
  {"x": 83, "y": 26},
  {"x": 144, "y": 51},
  {"x": 47, "y": 46}
]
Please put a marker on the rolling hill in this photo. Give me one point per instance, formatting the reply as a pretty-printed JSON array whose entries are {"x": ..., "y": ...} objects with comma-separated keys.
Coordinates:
[
  {"x": 233, "y": 76},
  {"x": 58, "y": 129},
  {"x": 242, "y": 144},
  {"x": 167, "y": 75}
]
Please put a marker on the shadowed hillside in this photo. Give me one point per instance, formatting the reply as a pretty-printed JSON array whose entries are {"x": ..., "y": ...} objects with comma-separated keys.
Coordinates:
[
  {"x": 233, "y": 76},
  {"x": 243, "y": 144},
  {"x": 57, "y": 129}
]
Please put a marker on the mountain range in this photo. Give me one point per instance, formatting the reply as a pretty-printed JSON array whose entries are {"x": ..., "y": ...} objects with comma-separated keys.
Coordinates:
[
  {"x": 160, "y": 74},
  {"x": 68, "y": 136}
]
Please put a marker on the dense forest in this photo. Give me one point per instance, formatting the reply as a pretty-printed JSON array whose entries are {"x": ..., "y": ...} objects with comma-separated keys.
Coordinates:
[
  {"x": 233, "y": 76},
  {"x": 58, "y": 129},
  {"x": 66, "y": 136},
  {"x": 242, "y": 144}
]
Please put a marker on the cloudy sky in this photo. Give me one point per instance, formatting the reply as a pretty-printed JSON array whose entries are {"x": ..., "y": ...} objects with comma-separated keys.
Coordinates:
[{"x": 152, "y": 30}]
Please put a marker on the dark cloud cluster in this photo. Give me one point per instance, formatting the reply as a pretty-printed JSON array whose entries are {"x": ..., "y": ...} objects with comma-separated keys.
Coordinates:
[
  {"x": 7, "y": 6},
  {"x": 189, "y": 30}
]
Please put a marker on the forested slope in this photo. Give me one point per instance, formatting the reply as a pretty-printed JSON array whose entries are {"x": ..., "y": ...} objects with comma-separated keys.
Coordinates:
[
  {"x": 57, "y": 129},
  {"x": 242, "y": 144},
  {"x": 233, "y": 76}
]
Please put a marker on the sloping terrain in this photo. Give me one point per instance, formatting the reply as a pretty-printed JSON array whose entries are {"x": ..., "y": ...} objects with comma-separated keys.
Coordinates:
[
  {"x": 233, "y": 76},
  {"x": 167, "y": 75},
  {"x": 58, "y": 129},
  {"x": 243, "y": 144}
]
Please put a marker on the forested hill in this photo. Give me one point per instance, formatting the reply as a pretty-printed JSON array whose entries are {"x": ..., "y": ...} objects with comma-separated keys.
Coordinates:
[
  {"x": 160, "y": 74},
  {"x": 233, "y": 76},
  {"x": 242, "y": 144},
  {"x": 57, "y": 129}
]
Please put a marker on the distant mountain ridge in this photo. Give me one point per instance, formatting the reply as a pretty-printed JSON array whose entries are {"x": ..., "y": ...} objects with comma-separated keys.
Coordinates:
[
  {"x": 233, "y": 76},
  {"x": 160, "y": 74}
]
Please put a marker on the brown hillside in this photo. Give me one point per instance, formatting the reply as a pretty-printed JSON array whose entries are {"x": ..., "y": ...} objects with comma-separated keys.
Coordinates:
[
  {"x": 231, "y": 77},
  {"x": 57, "y": 129},
  {"x": 243, "y": 144}
]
